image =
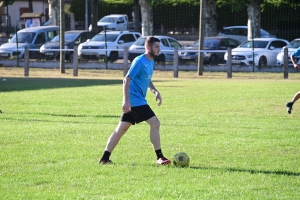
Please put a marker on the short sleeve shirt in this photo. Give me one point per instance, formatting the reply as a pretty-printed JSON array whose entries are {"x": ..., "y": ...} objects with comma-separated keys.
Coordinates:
[
  {"x": 140, "y": 73},
  {"x": 297, "y": 52}
]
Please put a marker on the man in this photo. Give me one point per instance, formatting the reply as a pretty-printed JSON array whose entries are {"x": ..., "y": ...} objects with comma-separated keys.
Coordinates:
[
  {"x": 289, "y": 105},
  {"x": 135, "y": 107}
]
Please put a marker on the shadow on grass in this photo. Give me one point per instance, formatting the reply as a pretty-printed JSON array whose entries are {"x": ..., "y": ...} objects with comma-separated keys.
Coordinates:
[
  {"x": 252, "y": 171},
  {"x": 21, "y": 84}
]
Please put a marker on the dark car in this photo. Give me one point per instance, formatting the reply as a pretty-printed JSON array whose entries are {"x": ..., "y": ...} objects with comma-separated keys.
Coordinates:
[
  {"x": 72, "y": 38},
  {"x": 210, "y": 43}
]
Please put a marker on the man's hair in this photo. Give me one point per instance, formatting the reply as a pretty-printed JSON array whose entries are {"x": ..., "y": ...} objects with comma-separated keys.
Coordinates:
[{"x": 151, "y": 40}]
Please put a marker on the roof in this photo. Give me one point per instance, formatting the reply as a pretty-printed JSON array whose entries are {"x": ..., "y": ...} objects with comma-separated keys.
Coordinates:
[{"x": 32, "y": 15}]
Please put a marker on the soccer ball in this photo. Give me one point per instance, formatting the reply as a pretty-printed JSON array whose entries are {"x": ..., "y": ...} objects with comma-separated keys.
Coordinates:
[{"x": 181, "y": 159}]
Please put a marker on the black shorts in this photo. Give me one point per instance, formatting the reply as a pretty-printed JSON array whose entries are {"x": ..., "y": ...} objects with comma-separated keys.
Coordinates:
[{"x": 138, "y": 114}]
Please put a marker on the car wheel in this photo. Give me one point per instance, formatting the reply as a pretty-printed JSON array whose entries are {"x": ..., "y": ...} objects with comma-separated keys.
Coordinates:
[
  {"x": 262, "y": 61},
  {"x": 70, "y": 58},
  {"x": 113, "y": 56},
  {"x": 213, "y": 59}
]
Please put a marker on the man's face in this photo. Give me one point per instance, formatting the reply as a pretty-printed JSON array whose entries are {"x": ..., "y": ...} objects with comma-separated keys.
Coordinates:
[{"x": 155, "y": 49}]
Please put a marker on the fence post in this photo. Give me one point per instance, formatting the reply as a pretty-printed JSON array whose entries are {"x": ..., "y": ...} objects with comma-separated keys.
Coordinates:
[
  {"x": 125, "y": 61},
  {"x": 75, "y": 61},
  {"x": 285, "y": 63},
  {"x": 26, "y": 62},
  {"x": 229, "y": 63},
  {"x": 175, "y": 62}
]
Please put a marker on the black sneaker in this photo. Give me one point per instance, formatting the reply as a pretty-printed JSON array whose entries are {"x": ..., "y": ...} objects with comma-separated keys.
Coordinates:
[
  {"x": 289, "y": 106},
  {"x": 104, "y": 162}
]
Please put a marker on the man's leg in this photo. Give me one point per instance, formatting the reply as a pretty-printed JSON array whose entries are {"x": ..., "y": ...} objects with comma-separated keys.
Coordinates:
[
  {"x": 289, "y": 105},
  {"x": 155, "y": 140},
  {"x": 114, "y": 140}
]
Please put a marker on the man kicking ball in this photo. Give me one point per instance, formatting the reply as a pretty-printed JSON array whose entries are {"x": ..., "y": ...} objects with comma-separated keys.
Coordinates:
[{"x": 135, "y": 106}]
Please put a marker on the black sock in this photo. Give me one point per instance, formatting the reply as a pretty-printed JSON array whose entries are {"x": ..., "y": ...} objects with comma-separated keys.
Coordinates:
[
  {"x": 106, "y": 155},
  {"x": 158, "y": 153}
]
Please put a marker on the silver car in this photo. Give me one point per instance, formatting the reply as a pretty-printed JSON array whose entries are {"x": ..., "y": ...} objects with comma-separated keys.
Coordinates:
[
  {"x": 292, "y": 46},
  {"x": 32, "y": 38},
  {"x": 167, "y": 45},
  {"x": 240, "y": 33}
]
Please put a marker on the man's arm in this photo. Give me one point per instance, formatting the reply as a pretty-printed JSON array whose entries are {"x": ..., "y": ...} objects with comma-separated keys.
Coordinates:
[
  {"x": 157, "y": 94},
  {"x": 126, "y": 101},
  {"x": 296, "y": 66}
]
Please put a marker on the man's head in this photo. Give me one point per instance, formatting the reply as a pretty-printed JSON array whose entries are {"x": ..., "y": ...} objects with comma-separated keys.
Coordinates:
[{"x": 152, "y": 46}]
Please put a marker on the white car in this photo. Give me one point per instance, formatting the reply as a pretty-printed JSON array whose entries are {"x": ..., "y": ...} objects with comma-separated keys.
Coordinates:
[
  {"x": 292, "y": 46},
  {"x": 262, "y": 51},
  {"x": 115, "y": 41},
  {"x": 167, "y": 45}
]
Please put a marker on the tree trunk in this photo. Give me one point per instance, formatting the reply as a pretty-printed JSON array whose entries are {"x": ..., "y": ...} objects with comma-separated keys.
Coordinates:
[
  {"x": 147, "y": 18},
  {"x": 137, "y": 18},
  {"x": 30, "y": 6},
  {"x": 253, "y": 10},
  {"x": 210, "y": 18},
  {"x": 94, "y": 15}
]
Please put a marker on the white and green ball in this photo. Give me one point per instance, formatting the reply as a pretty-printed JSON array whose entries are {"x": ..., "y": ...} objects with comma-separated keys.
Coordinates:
[{"x": 181, "y": 159}]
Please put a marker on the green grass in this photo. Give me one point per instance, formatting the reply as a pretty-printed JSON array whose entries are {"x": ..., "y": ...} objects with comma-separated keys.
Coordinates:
[{"x": 237, "y": 133}]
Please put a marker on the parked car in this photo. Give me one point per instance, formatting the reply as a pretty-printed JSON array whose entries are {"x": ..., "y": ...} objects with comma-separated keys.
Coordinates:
[
  {"x": 167, "y": 45},
  {"x": 33, "y": 38},
  {"x": 292, "y": 46},
  {"x": 265, "y": 51},
  {"x": 72, "y": 38},
  {"x": 94, "y": 49},
  {"x": 116, "y": 22},
  {"x": 210, "y": 43},
  {"x": 240, "y": 33}
]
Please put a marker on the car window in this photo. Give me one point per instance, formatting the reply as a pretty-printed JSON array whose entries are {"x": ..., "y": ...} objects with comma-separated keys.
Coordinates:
[
  {"x": 40, "y": 38},
  {"x": 277, "y": 44},
  {"x": 257, "y": 44},
  {"x": 140, "y": 42},
  {"x": 52, "y": 34},
  {"x": 24, "y": 37},
  {"x": 101, "y": 37},
  {"x": 294, "y": 44},
  {"x": 127, "y": 38},
  {"x": 120, "y": 20},
  {"x": 137, "y": 36},
  {"x": 232, "y": 43},
  {"x": 174, "y": 43},
  {"x": 223, "y": 43},
  {"x": 164, "y": 42}
]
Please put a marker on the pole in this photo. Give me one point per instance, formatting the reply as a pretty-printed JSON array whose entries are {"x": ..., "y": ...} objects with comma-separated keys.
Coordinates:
[
  {"x": 86, "y": 15},
  {"x": 17, "y": 46},
  {"x": 106, "y": 58},
  {"x": 62, "y": 36},
  {"x": 201, "y": 39}
]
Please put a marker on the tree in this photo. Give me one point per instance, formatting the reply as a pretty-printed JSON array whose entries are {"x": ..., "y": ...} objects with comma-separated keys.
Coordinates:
[{"x": 147, "y": 17}]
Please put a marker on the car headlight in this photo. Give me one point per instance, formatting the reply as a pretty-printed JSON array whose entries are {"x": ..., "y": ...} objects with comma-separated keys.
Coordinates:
[
  {"x": 66, "y": 47},
  {"x": 280, "y": 56},
  {"x": 79, "y": 47},
  {"x": 42, "y": 48}
]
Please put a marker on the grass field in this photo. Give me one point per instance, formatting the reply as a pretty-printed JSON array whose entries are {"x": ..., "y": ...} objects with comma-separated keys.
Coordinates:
[{"x": 241, "y": 141}]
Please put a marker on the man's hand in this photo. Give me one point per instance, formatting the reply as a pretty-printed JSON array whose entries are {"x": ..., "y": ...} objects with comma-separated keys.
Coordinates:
[
  {"x": 126, "y": 107},
  {"x": 158, "y": 98},
  {"x": 297, "y": 66}
]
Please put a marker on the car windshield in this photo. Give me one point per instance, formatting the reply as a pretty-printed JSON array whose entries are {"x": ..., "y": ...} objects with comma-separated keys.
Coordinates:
[
  {"x": 264, "y": 33},
  {"x": 140, "y": 42},
  {"x": 23, "y": 37},
  {"x": 195, "y": 44},
  {"x": 257, "y": 44},
  {"x": 294, "y": 44},
  {"x": 101, "y": 37},
  {"x": 108, "y": 19},
  {"x": 68, "y": 37}
]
